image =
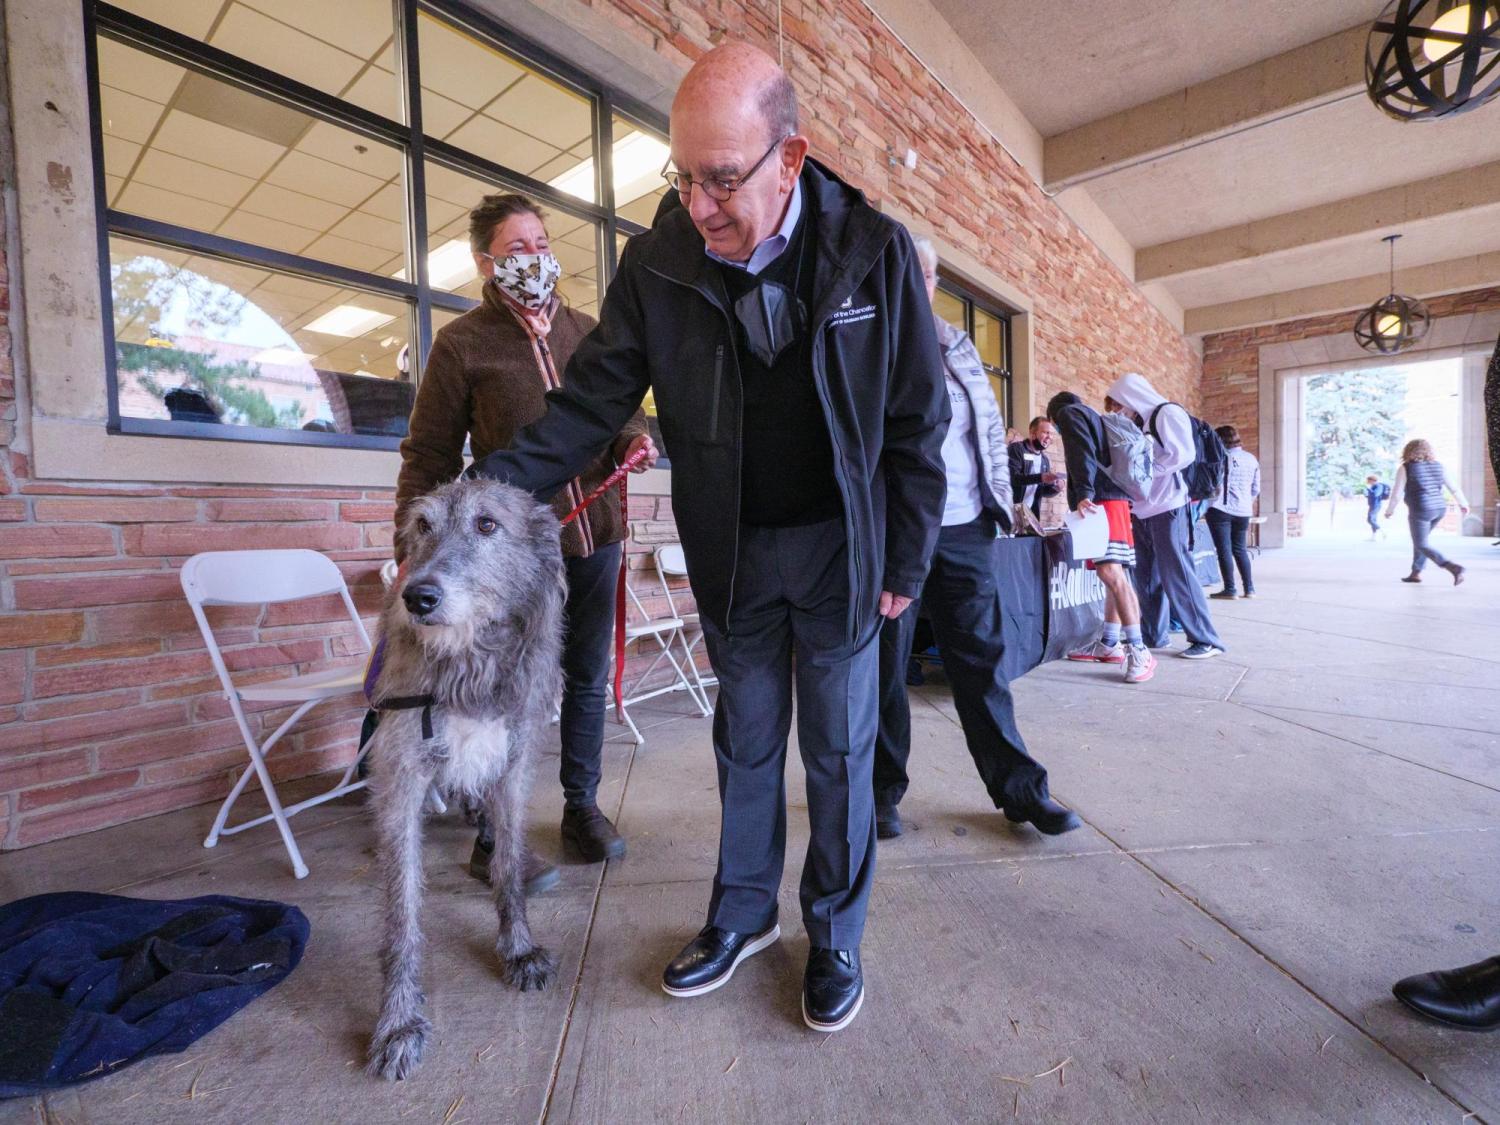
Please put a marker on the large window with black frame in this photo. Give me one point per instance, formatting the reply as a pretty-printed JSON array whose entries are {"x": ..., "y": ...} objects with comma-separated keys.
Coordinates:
[
  {"x": 989, "y": 327},
  {"x": 284, "y": 188}
]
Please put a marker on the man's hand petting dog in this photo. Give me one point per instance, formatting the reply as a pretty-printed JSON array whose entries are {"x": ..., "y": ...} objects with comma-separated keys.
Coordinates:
[{"x": 470, "y": 677}]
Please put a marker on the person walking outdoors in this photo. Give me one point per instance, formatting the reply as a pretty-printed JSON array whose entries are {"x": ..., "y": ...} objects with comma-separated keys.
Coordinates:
[
  {"x": 1165, "y": 576},
  {"x": 1031, "y": 475},
  {"x": 1420, "y": 482},
  {"x": 1376, "y": 493},
  {"x": 487, "y": 376},
  {"x": 1090, "y": 488},
  {"x": 781, "y": 323},
  {"x": 962, "y": 599},
  {"x": 1229, "y": 514}
]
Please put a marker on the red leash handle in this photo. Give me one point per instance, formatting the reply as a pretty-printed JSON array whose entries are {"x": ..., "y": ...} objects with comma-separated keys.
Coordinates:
[{"x": 616, "y": 477}]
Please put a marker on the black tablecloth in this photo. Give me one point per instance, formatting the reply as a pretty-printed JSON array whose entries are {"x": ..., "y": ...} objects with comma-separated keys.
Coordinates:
[
  {"x": 1020, "y": 572},
  {"x": 1049, "y": 603}
]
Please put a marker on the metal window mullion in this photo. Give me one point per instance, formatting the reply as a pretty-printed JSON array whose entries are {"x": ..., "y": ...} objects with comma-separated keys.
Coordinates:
[
  {"x": 416, "y": 180},
  {"x": 604, "y": 178},
  {"x": 101, "y": 210},
  {"x": 174, "y": 47},
  {"x": 249, "y": 253}
]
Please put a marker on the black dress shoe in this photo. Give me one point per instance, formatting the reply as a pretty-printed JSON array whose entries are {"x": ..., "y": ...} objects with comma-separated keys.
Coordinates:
[
  {"x": 710, "y": 959},
  {"x": 887, "y": 822},
  {"x": 1046, "y": 814},
  {"x": 537, "y": 875},
  {"x": 590, "y": 833},
  {"x": 1468, "y": 997},
  {"x": 833, "y": 988}
]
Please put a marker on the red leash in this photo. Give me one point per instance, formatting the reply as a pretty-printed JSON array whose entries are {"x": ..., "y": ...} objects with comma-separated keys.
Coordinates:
[{"x": 616, "y": 477}]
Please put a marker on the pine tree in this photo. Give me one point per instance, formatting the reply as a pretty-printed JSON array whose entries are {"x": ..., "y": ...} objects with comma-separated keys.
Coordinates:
[{"x": 1354, "y": 428}]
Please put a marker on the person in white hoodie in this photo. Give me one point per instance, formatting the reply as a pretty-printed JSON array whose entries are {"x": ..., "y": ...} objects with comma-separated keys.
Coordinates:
[{"x": 1164, "y": 573}]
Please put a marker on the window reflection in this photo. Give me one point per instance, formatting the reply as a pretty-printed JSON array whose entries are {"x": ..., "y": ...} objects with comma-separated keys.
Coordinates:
[{"x": 198, "y": 339}]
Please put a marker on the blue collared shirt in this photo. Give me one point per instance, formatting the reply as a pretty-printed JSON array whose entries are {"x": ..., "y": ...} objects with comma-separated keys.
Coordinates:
[{"x": 771, "y": 249}]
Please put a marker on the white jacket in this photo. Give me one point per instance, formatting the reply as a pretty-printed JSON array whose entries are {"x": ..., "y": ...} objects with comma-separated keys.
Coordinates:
[{"x": 1172, "y": 448}]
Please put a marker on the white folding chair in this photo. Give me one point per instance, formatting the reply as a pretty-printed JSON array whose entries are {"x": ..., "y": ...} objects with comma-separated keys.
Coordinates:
[
  {"x": 263, "y": 578},
  {"x": 672, "y": 563},
  {"x": 671, "y": 645}
]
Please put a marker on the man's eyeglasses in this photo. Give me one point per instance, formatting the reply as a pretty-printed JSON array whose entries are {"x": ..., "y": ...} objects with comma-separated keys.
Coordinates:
[{"x": 715, "y": 188}]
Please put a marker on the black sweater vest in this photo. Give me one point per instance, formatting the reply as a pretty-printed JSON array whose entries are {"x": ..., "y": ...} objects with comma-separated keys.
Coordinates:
[{"x": 786, "y": 456}]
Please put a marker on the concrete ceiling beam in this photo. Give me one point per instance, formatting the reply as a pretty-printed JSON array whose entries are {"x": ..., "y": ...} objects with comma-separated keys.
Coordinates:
[
  {"x": 1300, "y": 79},
  {"x": 1433, "y": 280},
  {"x": 1397, "y": 210}
]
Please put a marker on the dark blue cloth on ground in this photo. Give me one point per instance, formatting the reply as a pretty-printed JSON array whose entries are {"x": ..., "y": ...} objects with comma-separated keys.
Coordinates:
[{"x": 90, "y": 983}]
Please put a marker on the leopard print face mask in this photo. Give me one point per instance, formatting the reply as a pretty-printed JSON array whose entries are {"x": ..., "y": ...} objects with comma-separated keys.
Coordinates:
[{"x": 527, "y": 279}]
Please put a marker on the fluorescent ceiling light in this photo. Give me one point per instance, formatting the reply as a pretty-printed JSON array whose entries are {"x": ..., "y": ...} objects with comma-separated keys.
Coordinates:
[
  {"x": 281, "y": 356},
  {"x": 348, "y": 320},
  {"x": 636, "y": 156},
  {"x": 448, "y": 265}
]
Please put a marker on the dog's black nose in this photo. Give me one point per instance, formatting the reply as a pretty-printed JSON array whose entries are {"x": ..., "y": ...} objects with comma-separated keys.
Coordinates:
[{"x": 422, "y": 600}]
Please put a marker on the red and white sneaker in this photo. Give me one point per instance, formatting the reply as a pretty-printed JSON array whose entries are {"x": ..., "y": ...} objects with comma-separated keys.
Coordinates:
[
  {"x": 1140, "y": 664},
  {"x": 1099, "y": 653}
]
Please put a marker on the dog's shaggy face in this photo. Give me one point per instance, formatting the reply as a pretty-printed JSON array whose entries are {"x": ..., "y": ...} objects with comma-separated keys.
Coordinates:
[{"x": 472, "y": 549}]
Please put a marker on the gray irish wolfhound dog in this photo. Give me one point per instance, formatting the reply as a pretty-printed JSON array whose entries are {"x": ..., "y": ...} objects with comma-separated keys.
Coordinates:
[{"x": 469, "y": 680}]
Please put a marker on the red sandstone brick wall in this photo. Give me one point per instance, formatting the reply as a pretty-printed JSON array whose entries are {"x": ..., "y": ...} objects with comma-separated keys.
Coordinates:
[
  {"x": 108, "y": 708},
  {"x": 1231, "y": 368}
]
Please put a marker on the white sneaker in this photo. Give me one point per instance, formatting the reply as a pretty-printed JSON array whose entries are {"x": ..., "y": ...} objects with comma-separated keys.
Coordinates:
[
  {"x": 1140, "y": 664},
  {"x": 1100, "y": 653}
]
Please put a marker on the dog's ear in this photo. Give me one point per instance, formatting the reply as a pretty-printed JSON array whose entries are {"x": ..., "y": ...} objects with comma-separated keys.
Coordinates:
[{"x": 542, "y": 526}]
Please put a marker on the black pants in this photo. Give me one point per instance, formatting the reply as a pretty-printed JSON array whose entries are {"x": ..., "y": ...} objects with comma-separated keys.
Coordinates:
[
  {"x": 962, "y": 600},
  {"x": 789, "y": 637},
  {"x": 588, "y": 633},
  {"x": 1229, "y": 539}
]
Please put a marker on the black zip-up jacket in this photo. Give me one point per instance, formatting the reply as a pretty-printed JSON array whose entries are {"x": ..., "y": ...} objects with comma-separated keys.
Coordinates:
[
  {"x": 666, "y": 325},
  {"x": 1021, "y": 480},
  {"x": 1086, "y": 452}
]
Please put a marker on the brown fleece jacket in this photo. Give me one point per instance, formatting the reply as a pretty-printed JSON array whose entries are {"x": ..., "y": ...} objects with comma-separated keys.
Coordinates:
[{"x": 482, "y": 382}]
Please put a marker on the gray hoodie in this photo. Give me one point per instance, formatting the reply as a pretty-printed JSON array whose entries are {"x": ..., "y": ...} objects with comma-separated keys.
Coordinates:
[{"x": 1172, "y": 447}]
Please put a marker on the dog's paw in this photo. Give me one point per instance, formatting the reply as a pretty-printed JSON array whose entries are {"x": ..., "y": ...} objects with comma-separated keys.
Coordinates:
[
  {"x": 536, "y": 969},
  {"x": 396, "y": 1054}
]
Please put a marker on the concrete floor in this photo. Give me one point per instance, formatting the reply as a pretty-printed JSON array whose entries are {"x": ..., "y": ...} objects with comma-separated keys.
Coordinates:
[{"x": 1272, "y": 839}]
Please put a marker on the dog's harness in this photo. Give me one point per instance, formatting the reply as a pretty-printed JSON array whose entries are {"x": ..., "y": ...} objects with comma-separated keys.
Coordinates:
[
  {"x": 410, "y": 703},
  {"x": 426, "y": 702}
]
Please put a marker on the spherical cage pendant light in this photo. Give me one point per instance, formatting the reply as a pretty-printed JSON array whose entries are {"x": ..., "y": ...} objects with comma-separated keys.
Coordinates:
[
  {"x": 1392, "y": 324},
  {"x": 1427, "y": 59},
  {"x": 1395, "y": 322}
]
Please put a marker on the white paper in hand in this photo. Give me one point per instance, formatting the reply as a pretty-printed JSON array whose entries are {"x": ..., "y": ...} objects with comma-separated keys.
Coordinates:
[{"x": 1090, "y": 534}]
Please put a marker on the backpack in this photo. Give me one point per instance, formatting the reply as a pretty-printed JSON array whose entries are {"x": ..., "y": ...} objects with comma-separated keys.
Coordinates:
[
  {"x": 1207, "y": 475},
  {"x": 1129, "y": 455}
]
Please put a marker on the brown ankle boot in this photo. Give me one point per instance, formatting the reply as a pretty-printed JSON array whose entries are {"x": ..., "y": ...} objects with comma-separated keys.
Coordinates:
[
  {"x": 1457, "y": 572},
  {"x": 1412, "y": 577}
]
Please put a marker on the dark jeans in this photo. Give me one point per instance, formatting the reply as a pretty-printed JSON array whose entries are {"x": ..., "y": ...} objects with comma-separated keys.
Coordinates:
[
  {"x": 588, "y": 633},
  {"x": 1229, "y": 539},
  {"x": 788, "y": 633},
  {"x": 962, "y": 600},
  {"x": 1164, "y": 576},
  {"x": 1422, "y": 525}
]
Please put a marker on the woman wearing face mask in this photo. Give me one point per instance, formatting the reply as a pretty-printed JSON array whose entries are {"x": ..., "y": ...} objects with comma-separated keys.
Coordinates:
[{"x": 485, "y": 379}]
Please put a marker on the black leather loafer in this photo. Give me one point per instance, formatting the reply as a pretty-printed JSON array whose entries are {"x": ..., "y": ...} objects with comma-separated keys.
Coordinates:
[
  {"x": 536, "y": 873},
  {"x": 710, "y": 959},
  {"x": 888, "y": 822},
  {"x": 1046, "y": 815},
  {"x": 591, "y": 834},
  {"x": 833, "y": 988},
  {"x": 1468, "y": 997}
]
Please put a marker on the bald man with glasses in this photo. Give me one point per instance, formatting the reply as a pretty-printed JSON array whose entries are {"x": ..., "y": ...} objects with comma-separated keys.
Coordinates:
[{"x": 782, "y": 325}]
